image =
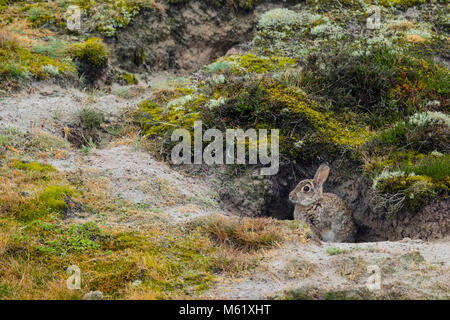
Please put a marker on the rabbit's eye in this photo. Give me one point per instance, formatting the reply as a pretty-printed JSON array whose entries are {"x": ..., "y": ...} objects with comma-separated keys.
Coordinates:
[{"x": 306, "y": 188}]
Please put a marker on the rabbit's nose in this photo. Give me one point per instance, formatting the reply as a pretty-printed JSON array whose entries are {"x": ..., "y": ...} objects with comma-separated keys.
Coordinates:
[{"x": 291, "y": 198}]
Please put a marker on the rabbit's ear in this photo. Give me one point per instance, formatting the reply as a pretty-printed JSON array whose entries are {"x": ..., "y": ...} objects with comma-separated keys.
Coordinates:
[{"x": 321, "y": 176}]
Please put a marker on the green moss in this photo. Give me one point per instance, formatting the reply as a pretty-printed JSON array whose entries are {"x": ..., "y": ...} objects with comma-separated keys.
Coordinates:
[
  {"x": 108, "y": 16},
  {"x": 20, "y": 64},
  {"x": 129, "y": 78},
  {"x": 240, "y": 64},
  {"x": 92, "y": 57},
  {"x": 50, "y": 201},
  {"x": 401, "y": 3},
  {"x": 93, "y": 51},
  {"x": 160, "y": 120},
  {"x": 33, "y": 166},
  {"x": 168, "y": 263},
  {"x": 6, "y": 290},
  {"x": 40, "y": 13}
]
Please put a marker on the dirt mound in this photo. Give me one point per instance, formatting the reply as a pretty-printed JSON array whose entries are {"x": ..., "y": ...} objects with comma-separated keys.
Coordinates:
[{"x": 183, "y": 37}]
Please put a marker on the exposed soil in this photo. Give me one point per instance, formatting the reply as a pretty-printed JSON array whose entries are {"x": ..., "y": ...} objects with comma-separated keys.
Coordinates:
[
  {"x": 408, "y": 268},
  {"x": 184, "y": 37},
  {"x": 136, "y": 177}
]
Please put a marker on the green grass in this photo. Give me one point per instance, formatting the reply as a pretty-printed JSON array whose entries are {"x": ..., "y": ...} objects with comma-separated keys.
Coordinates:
[
  {"x": 436, "y": 168},
  {"x": 6, "y": 136},
  {"x": 50, "y": 201},
  {"x": 54, "y": 49},
  {"x": 395, "y": 135},
  {"x": 20, "y": 65},
  {"x": 335, "y": 250},
  {"x": 90, "y": 118},
  {"x": 33, "y": 166}
]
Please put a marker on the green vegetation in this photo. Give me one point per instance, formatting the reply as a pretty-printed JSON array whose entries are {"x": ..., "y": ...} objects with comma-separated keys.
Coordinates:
[
  {"x": 93, "y": 52},
  {"x": 335, "y": 250},
  {"x": 33, "y": 166},
  {"x": 379, "y": 98},
  {"x": 401, "y": 3},
  {"x": 19, "y": 64},
  {"x": 59, "y": 240},
  {"x": 416, "y": 152},
  {"x": 90, "y": 118},
  {"x": 107, "y": 16},
  {"x": 374, "y": 99},
  {"x": 227, "y": 100},
  {"x": 241, "y": 64},
  {"x": 50, "y": 200},
  {"x": 91, "y": 57},
  {"x": 157, "y": 261},
  {"x": 128, "y": 78},
  {"x": 54, "y": 48}
]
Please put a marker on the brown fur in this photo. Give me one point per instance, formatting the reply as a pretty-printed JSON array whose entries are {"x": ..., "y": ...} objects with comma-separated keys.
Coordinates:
[{"x": 326, "y": 213}]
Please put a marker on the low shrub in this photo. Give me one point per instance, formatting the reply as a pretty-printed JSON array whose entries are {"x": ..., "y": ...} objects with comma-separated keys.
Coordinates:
[{"x": 91, "y": 57}]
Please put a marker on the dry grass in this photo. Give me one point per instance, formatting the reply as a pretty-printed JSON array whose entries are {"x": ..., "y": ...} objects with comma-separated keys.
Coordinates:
[
  {"x": 157, "y": 6},
  {"x": 20, "y": 34},
  {"x": 9, "y": 40},
  {"x": 245, "y": 233},
  {"x": 299, "y": 269},
  {"x": 249, "y": 234},
  {"x": 414, "y": 38},
  {"x": 402, "y": 25},
  {"x": 352, "y": 268}
]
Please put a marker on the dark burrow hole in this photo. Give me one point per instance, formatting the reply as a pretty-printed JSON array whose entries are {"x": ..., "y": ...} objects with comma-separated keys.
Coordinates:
[
  {"x": 280, "y": 207},
  {"x": 80, "y": 137},
  {"x": 372, "y": 221}
]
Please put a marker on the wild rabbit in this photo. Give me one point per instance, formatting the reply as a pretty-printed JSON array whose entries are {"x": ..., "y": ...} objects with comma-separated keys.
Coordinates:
[{"x": 326, "y": 213}]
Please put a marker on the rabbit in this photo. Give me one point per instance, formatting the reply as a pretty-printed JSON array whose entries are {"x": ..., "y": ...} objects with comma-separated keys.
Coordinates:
[{"x": 327, "y": 214}]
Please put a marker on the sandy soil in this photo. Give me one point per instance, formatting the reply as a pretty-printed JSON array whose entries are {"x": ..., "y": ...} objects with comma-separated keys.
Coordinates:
[
  {"x": 136, "y": 177},
  {"x": 408, "y": 268},
  {"x": 50, "y": 107}
]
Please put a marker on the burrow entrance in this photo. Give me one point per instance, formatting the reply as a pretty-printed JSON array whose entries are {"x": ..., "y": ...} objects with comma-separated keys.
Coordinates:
[{"x": 373, "y": 223}]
